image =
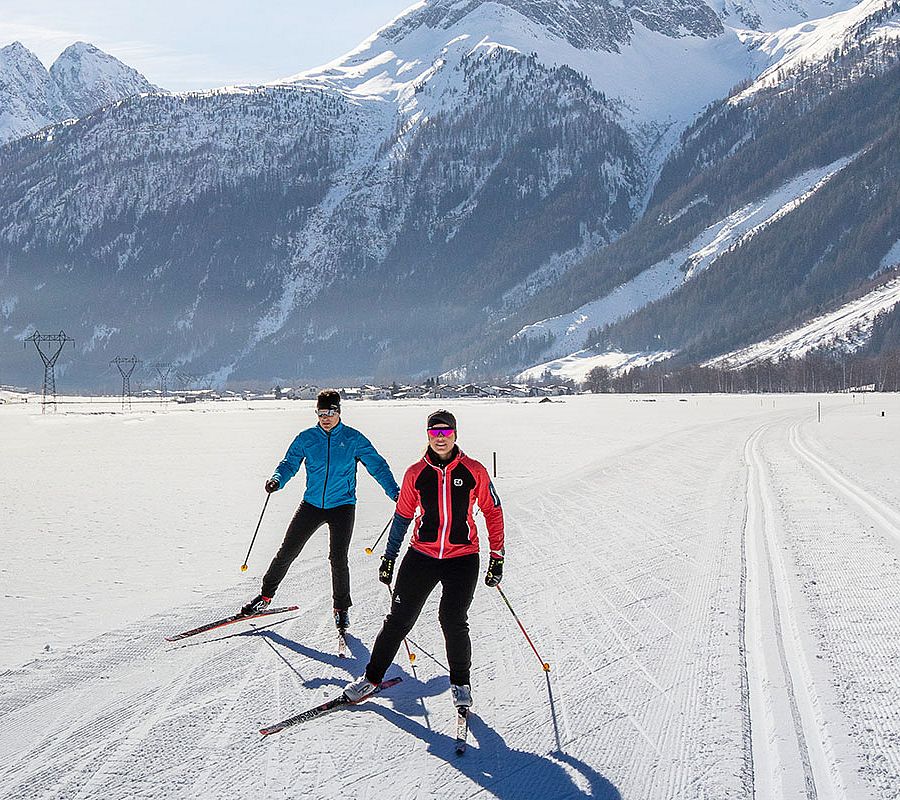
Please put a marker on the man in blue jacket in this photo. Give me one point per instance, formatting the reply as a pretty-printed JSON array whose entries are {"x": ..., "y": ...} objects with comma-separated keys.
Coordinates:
[{"x": 331, "y": 451}]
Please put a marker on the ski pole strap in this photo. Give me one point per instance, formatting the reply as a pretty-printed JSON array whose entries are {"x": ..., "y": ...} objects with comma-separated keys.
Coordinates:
[{"x": 544, "y": 664}]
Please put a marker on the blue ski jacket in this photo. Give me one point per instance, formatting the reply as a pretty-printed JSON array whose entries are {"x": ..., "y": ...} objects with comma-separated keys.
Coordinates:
[{"x": 331, "y": 460}]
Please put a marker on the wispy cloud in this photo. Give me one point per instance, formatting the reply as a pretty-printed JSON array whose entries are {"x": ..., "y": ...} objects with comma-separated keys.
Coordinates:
[{"x": 46, "y": 43}]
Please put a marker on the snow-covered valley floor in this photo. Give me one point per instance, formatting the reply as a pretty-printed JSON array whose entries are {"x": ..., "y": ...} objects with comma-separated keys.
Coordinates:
[{"x": 714, "y": 581}]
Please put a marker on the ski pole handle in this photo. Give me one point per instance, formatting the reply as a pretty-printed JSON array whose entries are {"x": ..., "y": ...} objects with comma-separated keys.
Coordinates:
[
  {"x": 544, "y": 664},
  {"x": 244, "y": 565},
  {"x": 370, "y": 550}
]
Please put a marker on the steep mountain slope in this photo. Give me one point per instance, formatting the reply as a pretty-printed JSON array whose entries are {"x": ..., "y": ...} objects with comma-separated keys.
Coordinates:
[
  {"x": 401, "y": 210},
  {"x": 828, "y": 126},
  {"x": 82, "y": 79}
]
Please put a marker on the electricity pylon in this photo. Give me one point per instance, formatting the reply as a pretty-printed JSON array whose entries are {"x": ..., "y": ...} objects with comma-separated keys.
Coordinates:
[
  {"x": 57, "y": 341},
  {"x": 126, "y": 367}
]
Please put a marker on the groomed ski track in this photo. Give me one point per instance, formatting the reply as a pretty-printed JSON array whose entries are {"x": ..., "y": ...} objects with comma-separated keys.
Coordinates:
[{"x": 714, "y": 581}]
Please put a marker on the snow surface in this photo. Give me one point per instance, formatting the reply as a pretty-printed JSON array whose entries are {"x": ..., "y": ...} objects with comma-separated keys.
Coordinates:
[
  {"x": 576, "y": 366},
  {"x": 714, "y": 581},
  {"x": 570, "y": 331},
  {"x": 815, "y": 40},
  {"x": 849, "y": 327},
  {"x": 656, "y": 77}
]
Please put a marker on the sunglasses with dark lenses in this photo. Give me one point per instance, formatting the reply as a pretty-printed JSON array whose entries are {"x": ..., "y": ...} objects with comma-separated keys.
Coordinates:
[
  {"x": 435, "y": 432},
  {"x": 327, "y": 412}
]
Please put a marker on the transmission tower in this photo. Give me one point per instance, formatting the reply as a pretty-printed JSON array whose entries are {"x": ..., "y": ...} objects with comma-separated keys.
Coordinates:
[
  {"x": 126, "y": 367},
  {"x": 163, "y": 371},
  {"x": 56, "y": 342}
]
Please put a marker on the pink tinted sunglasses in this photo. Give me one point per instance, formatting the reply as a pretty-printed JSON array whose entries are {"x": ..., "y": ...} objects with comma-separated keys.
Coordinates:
[{"x": 435, "y": 432}]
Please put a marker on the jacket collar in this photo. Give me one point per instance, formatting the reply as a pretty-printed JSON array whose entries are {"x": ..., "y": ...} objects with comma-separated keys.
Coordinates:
[
  {"x": 336, "y": 429},
  {"x": 432, "y": 459}
]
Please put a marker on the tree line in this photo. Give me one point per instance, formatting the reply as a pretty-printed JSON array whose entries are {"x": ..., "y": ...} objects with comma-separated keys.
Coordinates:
[{"x": 818, "y": 371}]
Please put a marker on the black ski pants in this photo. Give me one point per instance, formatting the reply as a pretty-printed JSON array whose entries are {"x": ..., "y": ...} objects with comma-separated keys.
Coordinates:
[
  {"x": 307, "y": 520},
  {"x": 417, "y": 577}
]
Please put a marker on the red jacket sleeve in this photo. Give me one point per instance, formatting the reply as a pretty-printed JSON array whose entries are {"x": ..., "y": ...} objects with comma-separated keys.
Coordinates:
[
  {"x": 489, "y": 503},
  {"x": 408, "y": 501}
]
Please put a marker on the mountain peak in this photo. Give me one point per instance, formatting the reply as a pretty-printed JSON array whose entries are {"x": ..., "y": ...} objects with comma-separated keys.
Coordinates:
[
  {"x": 82, "y": 79},
  {"x": 89, "y": 78}
]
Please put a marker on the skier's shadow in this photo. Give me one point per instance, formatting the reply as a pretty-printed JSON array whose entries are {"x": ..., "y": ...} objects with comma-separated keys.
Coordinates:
[
  {"x": 359, "y": 654},
  {"x": 504, "y": 771}
]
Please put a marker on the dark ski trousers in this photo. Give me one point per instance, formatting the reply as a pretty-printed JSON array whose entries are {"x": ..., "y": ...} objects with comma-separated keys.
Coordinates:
[
  {"x": 417, "y": 577},
  {"x": 307, "y": 520}
]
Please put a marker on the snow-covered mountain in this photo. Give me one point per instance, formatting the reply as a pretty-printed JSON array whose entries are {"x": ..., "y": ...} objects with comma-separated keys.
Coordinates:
[
  {"x": 29, "y": 99},
  {"x": 731, "y": 195},
  {"x": 88, "y": 78},
  {"x": 82, "y": 79},
  {"x": 471, "y": 168}
]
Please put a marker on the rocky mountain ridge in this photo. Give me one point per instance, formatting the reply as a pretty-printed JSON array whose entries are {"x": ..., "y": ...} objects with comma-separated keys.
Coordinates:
[
  {"x": 82, "y": 79},
  {"x": 403, "y": 210}
]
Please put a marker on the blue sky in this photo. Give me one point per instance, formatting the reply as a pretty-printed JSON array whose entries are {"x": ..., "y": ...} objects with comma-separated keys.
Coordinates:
[{"x": 198, "y": 44}]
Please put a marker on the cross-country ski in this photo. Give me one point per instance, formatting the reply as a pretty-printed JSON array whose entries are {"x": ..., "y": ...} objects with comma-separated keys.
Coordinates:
[
  {"x": 462, "y": 729},
  {"x": 327, "y": 707},
  {"x": 221, "y": 623}
]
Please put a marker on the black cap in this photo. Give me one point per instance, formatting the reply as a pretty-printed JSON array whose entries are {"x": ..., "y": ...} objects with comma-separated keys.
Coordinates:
[
  {"x": 328, "y": 399},
  {"x": 441, "y": 419}
]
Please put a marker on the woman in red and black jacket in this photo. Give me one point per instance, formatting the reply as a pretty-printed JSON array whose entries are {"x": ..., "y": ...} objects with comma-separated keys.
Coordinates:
[{"x": 443, "y": 487}]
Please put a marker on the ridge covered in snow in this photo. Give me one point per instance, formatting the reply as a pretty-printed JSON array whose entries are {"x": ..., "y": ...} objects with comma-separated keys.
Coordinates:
[
  {"x": 848, "y": 328},
  {"x": 570, "y": 331},
  {"x": 82, "y": 79}
]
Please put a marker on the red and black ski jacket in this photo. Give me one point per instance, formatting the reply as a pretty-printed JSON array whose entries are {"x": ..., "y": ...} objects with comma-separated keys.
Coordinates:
[{"x": 441, "y": 496}]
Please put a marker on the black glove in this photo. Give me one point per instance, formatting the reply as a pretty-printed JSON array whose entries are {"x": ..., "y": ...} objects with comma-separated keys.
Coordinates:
[
  {"x": 272, "y": 485},
  {"x": 386, "y": 570},
  {"x": 494, "y": 571}
]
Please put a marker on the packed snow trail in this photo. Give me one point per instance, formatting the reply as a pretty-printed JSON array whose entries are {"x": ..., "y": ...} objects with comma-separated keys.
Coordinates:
[{"x": 678, "y": 562}]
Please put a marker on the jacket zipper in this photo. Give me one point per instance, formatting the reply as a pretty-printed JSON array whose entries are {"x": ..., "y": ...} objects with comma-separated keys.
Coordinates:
[
  {"x": 446, "y": 514},
  {"x": 327, "y": 463}
]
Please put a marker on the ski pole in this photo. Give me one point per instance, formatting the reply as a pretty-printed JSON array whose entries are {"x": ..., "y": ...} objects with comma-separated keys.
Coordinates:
[
  {"x": 369, "y": 550},
  {"x": 544, "y": 664},
  {"x": 410, "y": 653},
  {"x": 244, "y": 565}
]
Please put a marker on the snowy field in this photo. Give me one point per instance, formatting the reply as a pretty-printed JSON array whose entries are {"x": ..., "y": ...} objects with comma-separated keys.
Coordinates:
[{"x": 714, "y": 581}]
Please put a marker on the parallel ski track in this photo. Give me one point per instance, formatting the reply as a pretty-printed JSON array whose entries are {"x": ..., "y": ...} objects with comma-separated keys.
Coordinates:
[
  {"x": 853, "y": 586},
  {"x": 883, "y": 514},
  {"x": 783, "y": 677}
]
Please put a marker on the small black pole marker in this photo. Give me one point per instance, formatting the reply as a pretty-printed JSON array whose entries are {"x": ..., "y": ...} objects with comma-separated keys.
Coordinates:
[
  {"x": 495, "y": 463},
  {"x": 244, "y": 565}
]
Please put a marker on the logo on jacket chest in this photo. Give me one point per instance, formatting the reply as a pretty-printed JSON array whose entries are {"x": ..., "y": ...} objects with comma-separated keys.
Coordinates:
[{"x": 457, "y": 481}]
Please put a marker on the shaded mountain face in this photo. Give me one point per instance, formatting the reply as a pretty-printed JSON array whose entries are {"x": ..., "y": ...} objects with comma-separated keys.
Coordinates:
[
  {"x": 81, "y": 80},
  {"x": 277, "y": 232},
  {"x": 779, "y": 205}
]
